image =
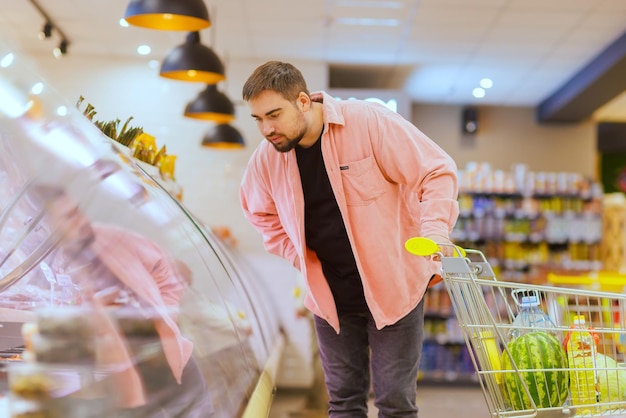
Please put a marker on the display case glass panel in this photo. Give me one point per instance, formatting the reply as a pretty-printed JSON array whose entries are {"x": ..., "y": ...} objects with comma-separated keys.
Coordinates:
[{"x": 109, "y": 282}]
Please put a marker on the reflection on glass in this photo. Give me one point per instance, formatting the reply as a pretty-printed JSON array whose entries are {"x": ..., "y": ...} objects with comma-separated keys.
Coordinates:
[{"x": 107, "y": 281}]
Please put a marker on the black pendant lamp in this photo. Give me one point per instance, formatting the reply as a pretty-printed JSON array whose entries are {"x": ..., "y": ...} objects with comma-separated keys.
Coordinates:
[
  {"x": 223, "y": 135},
  {"x": 193, "y": 62},
  {"x": 183, "y": 15},
  {"x": 211, "y": 105}
]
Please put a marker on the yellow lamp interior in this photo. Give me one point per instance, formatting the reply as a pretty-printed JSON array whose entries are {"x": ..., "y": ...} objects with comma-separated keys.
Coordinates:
[
  {"x": 222, "y": 145},
  {"x": 214, "y": 117},
  {"x": 168, "y": 21},
  {"x": 194, "y": 76}
]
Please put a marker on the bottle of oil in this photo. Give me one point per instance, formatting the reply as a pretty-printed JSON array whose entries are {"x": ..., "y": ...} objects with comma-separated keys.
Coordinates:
[{"x": 581, "y": 355}]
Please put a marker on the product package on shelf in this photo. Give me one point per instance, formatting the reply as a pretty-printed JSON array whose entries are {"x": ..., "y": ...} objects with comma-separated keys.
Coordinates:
[
  {"x": 528, "y": 223},
  {"x": 614, "y": 232}
]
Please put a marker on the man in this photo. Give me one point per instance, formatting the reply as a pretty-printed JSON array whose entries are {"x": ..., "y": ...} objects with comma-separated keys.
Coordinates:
[{"x": 337, "y": 189}]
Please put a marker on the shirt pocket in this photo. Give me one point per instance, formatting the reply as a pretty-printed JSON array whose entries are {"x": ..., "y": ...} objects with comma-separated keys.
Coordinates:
[{"x": 362, "y": 181}]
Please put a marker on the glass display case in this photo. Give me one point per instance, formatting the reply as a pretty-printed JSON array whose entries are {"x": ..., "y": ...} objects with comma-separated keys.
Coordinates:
[{"x": 114, "y": 299}]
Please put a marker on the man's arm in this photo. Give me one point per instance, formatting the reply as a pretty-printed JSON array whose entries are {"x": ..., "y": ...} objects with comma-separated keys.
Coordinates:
[
  {"x": 260, "y": 210},
  {"x": 408, "y": 156}
]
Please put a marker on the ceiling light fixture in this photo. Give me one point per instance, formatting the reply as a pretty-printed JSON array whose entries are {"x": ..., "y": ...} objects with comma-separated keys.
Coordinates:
[
  {"x": 61, "y": 50},
  {"x": 224, "y": 136},
  {"x": 176, "y": 15},
  {"x": 193, "y": 62},
  {"x": 7, "y": 60},
  {"x": 478, "y": 92},
  {"x": 486, "y": 83},
  {"x": 37, "y": 88},
  {"x": 46, "y": 31},
  {"x": 144, "y": 49},
  {"x": 211, "y": 105}
]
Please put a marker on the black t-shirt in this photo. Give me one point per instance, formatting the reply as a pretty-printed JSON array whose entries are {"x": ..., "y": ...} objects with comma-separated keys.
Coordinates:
[{"x": 326, "y": 233}]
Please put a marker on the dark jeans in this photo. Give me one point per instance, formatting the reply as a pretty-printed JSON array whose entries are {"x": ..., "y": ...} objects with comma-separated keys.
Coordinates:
[{"x": 395, "y": 352}]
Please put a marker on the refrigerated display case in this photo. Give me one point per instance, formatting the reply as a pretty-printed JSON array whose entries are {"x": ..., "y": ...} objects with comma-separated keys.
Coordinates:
[{"x": 114, "y": 299}]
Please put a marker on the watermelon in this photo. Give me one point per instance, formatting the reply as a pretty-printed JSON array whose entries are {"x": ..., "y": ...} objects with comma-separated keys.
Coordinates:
[{"x": 542, "y": 364}]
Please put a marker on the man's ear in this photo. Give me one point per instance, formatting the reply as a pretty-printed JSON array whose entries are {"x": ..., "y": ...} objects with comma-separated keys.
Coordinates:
[{"x": 304, "y": 101}]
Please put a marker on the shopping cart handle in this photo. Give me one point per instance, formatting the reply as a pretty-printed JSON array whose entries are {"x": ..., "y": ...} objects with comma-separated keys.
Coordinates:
[{"x": 425, "y": 246}]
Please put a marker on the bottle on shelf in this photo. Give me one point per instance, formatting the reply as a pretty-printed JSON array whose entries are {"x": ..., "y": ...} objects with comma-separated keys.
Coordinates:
[
  {"x": 581, "y": 356},
  {"x": 531, "y": 316}
]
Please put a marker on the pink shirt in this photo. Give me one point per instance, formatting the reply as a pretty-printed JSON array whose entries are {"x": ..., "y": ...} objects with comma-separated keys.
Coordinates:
[{"x": 391, "y": 183}]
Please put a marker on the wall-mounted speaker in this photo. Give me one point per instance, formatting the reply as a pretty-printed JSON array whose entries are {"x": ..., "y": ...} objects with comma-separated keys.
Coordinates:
[
  {"x": 611, "y": 137},
  {"x": 469, "y": 122}
]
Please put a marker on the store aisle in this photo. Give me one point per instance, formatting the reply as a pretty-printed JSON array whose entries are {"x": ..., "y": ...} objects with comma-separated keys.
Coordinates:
[{"x": 433, "y": 400}]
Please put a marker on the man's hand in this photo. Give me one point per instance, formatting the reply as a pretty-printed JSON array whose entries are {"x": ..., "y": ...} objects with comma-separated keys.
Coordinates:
[{"x": 446, "y": 247}]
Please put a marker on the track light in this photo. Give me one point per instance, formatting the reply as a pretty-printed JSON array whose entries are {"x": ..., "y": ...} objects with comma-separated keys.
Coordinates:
[
  {"x": 61, "y": 50},
  {"x": 46, "y": 31},
  {"x": 48, "y": 27}
]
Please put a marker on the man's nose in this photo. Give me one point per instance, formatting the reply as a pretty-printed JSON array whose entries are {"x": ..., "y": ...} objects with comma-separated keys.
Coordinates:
[{"x": 267, "y": 128}]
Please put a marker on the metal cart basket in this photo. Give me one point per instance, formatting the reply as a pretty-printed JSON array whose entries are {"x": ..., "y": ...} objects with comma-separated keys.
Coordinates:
[{"x": 537, "y": 387}]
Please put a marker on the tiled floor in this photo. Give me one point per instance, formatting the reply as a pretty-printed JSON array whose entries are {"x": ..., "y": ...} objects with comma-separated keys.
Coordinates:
[{"x": 434, "y": 401}]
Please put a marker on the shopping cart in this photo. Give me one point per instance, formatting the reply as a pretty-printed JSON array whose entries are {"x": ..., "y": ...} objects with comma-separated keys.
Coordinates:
[{"x": 485, "y": 309}]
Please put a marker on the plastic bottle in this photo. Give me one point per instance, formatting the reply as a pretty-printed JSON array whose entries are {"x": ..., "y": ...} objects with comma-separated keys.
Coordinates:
[
  {"x": 531, "y": 316},
  {"x": 581, "y": 356}
]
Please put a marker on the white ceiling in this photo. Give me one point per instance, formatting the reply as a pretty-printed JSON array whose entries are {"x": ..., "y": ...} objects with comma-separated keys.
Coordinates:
[{"x": 438, "y": 51}]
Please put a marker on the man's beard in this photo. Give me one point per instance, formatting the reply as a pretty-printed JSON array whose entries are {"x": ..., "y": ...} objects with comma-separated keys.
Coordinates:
[{"x": 290, "y": 144}]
